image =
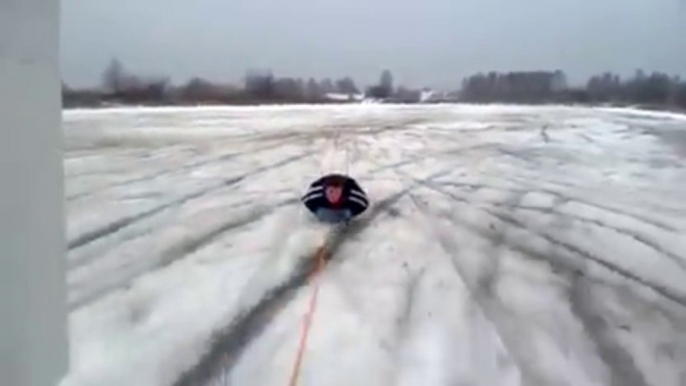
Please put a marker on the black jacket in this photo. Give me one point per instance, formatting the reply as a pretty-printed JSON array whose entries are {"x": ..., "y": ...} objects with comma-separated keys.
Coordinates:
[{"x": 354, "y": 198}]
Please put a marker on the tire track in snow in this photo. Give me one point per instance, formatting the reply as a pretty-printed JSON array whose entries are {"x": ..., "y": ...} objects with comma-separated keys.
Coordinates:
[
  {"x": 571, "y": 198},
  {"x": 563, "y": 265},
  {"x": 621, "y": 365},
  {"x": 82, "y": 260},
  {"x": 157, "y": 174},
  {"x": 627, "y": 297},
  {"x": 181, "y": 169},
  {"x": 410, "y": 295},
  {"x": 403, "y": 324},
  {"x": 228, "y": 344},
  {"x": 614, "y": 210},
  {"x": 662, "y": 290},
  {"x": 174, "y": 253},
  {"x": 481, "y": 300},
  {"x": 677, "y": 259},
  {"x": 92, "y": 235},
  {"x": 508, "y": 219},
  {"x": 618, "y": 360},
  {"x": 434, "y": 154}
]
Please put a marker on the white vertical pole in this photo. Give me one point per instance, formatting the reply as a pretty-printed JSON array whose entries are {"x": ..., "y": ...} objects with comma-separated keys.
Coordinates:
[{"x": 33, "y": 330}]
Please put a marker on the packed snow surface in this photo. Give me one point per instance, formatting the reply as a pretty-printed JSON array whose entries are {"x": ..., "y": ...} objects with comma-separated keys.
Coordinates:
[{"x": 506, "y": 245}]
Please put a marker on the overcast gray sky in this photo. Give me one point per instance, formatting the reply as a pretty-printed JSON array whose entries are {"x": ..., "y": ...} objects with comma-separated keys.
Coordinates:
[{"x": 424, "y": 42}]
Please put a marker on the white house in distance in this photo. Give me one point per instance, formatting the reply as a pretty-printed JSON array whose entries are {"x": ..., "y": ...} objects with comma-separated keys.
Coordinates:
[
  {"x": 426, "y": 95},
  {"x": 334, "y": 96},
  {"x": 434, "y": 96}
]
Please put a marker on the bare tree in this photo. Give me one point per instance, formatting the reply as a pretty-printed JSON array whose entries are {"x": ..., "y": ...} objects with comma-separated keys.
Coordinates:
[
  {"x": 384, "y": 89},
  {"x": 197, "y": 89},
  {"x": 114, "y": 77},
  {"x": 156, "y": 89},
  {"x": 326, "y": 86},
  {"x": 312, "y": 90},
  {"x": 386, "y": 81},
  {"x": 346, "y": 86},
  {"x": 259, "y": 84},
  {"x": 288, "y": 89}
]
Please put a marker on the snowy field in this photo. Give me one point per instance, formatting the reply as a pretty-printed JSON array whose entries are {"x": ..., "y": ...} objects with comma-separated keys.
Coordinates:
[{"x": 505, "y": 246}]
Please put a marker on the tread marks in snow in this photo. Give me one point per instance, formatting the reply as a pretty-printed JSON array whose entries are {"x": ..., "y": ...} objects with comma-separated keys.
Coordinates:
[
  {"x": 664, "y": 291},
  {"x": 228, "y": 344},
  {"x": 508, "y": 219},
  {"x": 618, "y": 360},
  {"x": 620, "y": 364},
  {"x": 75, "y": 262},
  {"x": 403, "y": 322},
  {"x": 560, "y": 200},
  {"x": 487, "y": 305},
  {"x": 174, "y": 253},
  {"x": 180, "y": 169},
  {"x": 90, "y": 236},
  {"x": 680, "y": 261},
  {"x": 614, "y": 210}
]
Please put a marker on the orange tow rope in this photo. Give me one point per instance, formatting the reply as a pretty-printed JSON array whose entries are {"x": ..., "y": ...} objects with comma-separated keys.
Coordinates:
[{"x": 307, "y": 322}]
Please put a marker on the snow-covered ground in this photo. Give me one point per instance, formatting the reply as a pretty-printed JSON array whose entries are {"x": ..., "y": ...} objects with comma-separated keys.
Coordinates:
[{"x": 506, "y": 246}]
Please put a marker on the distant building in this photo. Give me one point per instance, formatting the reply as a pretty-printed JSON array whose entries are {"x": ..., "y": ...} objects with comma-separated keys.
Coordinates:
[
  {"x": 332, "y": 96},
  {"x": 434, "y": 96},
  {"x": 426, "y": 96}
]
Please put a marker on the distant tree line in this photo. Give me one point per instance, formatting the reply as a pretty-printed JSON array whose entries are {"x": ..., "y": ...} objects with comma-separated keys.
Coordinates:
[
  {"x": 120, "y": 86},
  {"x": 657, "y": 90},
  {"x": 522, "y": 87}
]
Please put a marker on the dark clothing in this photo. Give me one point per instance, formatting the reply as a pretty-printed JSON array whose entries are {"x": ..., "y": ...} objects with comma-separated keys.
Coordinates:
[
  {"x": 333, "y": 216},
  {"x": 353, "y": 201}
]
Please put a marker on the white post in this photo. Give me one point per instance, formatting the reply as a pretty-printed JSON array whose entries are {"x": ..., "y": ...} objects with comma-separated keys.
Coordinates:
[{"x": 33, "y": 329}]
